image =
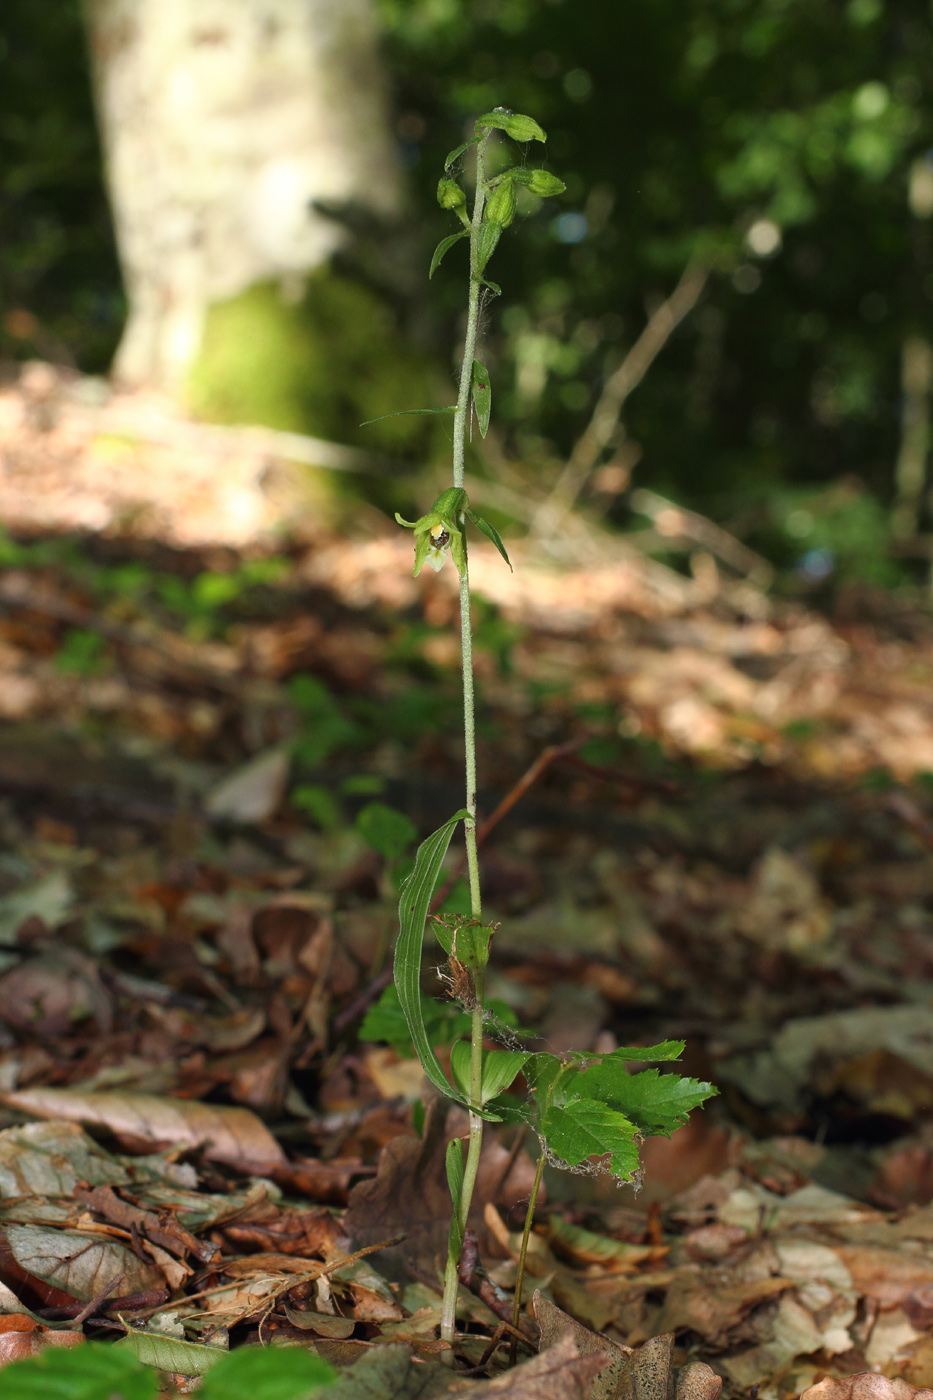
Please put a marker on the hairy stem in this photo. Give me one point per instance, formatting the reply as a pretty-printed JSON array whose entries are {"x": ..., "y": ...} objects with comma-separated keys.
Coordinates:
[
  {"x": 451, "y": 1281},
  {"x": 520, "y": 1276}
]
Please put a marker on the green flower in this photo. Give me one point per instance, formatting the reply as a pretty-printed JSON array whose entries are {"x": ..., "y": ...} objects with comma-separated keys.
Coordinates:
[{"x": 440, "y": 531}]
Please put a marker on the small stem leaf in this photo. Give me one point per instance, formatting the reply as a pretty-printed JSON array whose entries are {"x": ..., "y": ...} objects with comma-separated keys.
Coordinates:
[
  {"x": 413, "y": 911},
  {"x": 460, "y": 1058},
  {"x": 493, "y": 535},
  {"x": 493, "y": 286},
  {"x": 580, "y": 1128},
  {"x": 407, "y": 412},
  {"x": 455, "y": 154},
  {"x": 442, "y": 248},
  {"x": 519, "y": 127},
  {"x": 486, "y": 240},
  {"x": 482, "y": 396},
  {"x": 455, "y": 1169}
]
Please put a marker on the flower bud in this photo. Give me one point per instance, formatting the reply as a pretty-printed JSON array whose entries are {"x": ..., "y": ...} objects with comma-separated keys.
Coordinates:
[
  {"x": 449, "y": 194},
  {"x": 500, "y": 207},
  {"x": 543, "y": 183}
]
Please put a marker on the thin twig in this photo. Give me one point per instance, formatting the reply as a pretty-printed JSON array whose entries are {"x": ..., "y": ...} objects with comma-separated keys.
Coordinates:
[{"x": 601, "y": 427}]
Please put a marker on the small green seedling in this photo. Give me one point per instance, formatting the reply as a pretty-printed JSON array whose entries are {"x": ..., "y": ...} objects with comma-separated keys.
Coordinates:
[{"x": 584, "y": 1107}]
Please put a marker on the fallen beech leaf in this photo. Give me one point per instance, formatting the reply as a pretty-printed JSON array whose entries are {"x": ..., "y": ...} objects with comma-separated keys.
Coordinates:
[
  {"x": 560, "y": 1373},
  {"x": 557, "y": 1326},
  {"x": 20, "y": 1343},
  {"x": 713, "y": 1312},
  {"x": 148, "y": 1122},
  {"x": 698, "y": 1382},
  {"x": 253, "y": 792},
  {"x": 80, "y": 1264},
  {"x": 322, "y": 1324},
  {"x": 886, "y": 1275},
  {"x": 47, "y": 994},
  {"x": 49, "y": 1159},
  {"x": 865, "y": 1385}
]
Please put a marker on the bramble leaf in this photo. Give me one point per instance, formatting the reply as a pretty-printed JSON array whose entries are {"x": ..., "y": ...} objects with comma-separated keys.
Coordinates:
[
  {"x": 656, "y": 1102},
  {"x": 413, "y": 911},
  {"x": 493, "y": 535},
  {"x": 443, "y": 247},
  {"x": 580, "y": 1128},
  {"x": 514, "y": 124},
  {"x": 482, "y": 396}
]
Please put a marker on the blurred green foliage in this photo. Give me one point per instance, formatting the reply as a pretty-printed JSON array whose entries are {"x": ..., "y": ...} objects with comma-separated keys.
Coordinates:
[{"x": 787, "y": 141}]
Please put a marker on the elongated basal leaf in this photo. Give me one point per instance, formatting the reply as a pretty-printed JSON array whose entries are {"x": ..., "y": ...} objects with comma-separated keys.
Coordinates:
[
  {"x": 407, "y": 412},
  {"x": 412, "y": 912},
  {"x": 442, "y": 248}
]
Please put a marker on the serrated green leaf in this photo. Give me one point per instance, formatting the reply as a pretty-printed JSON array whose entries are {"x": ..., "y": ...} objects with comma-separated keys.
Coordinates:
[
  {"x": 170, "y": 1353},
  {"x": 86, "y": 1372},
  {"x": 655, "y": 1102},
  {"x": 267, "y": 1373},
  {"x": 492, "y": 534},
  {"x": 408, "y": 412},
  {"x": 413, "y": 911},
  {"x": 514, "y": 124},
  {"x": 577, "y": 1129},
  {"x": 460, "y": 150},
  {"x": 486, "y": 240},
  {"x": 442, "y": 248},
  {"x": 482, "y": 396}
]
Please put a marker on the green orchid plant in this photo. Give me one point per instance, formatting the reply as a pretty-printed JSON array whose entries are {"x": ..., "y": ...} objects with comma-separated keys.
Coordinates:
[{"x": 584, "y": 1109}]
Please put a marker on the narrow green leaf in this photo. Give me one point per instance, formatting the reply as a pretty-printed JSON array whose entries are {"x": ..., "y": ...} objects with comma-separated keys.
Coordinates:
[
  {"x": 170, "y": 1353},
  {"x": 460, "y": 150},
  {"x": 492, "y": 534},
  {"x": 267, "y": 1373},
  {"x": 665, "y": 1050},
  {"x": 407, "y": 412},
  {"x": 514, "y": 124},
  {"x": 454, "y": 1162},
  {"x": 493, "y": 287},
  {"x": 486, "y": 240},
  {"x": 461, "y": 1056},
  {"x": 482, "y": 396},
  {"x": 500, "y": 1068},
  {"x": 442, "y": 248},
  {"x": 413, "y": 911}
]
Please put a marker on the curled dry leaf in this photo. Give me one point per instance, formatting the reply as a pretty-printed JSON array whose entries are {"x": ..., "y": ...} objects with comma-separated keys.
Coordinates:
[
  {"x": 865, "y": 1385},
  {"x": 79, "y": 1263},
  {"x": 147, "y": 1122},
  {"x": 557, "y": 1326}
]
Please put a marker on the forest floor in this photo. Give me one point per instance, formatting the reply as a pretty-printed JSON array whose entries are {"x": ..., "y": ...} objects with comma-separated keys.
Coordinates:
[{"x": 724, "y": 834}]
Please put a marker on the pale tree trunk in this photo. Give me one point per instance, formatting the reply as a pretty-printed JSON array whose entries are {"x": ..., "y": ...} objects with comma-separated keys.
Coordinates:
[{"x": 223, "y": 122}]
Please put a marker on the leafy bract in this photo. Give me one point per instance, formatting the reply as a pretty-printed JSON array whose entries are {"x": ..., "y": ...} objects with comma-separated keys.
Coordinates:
[
  {"x": 514, "y": 124},
  {"x": 409, "y": 412},
  {"x": 413, "y": 911},
  {"x": 491, "y": 534},
  {"x": 486, "y": 240},
  {"x": 438, "y": 257},
  {"x": 482, "y": 396},
  {"x": 459, "y": 150}
]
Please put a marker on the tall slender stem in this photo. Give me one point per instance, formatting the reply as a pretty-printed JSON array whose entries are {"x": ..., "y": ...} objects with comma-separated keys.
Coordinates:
[
  {"x": 520, "y": 1275},
  {"x": 451, "y": 1278}
]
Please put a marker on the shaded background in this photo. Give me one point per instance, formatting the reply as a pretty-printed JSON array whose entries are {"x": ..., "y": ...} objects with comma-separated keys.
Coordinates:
[{"x": 784, "y": 142}]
